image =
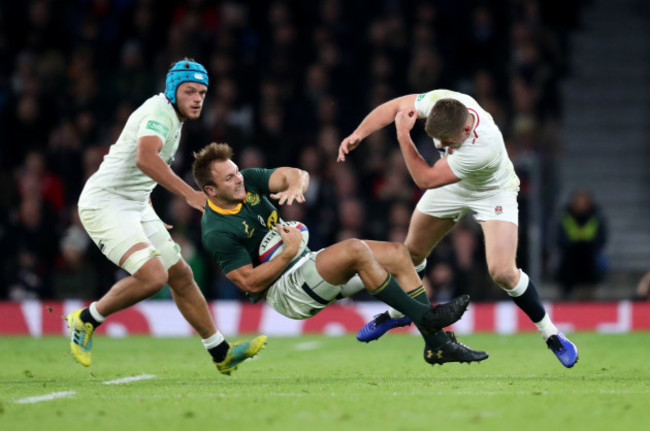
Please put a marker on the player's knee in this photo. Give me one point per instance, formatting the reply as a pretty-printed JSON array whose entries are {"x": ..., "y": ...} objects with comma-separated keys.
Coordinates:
[
  {"x": 180, "y": 275},
  {"x": 357, "y": 250},
  {"x": 152, "y": 276},
  {"x": 504, "y": 275}
]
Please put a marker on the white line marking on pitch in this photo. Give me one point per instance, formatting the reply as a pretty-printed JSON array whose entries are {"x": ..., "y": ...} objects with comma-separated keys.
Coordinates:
[
  {"x": 129, "y": 379},
  {"x": 307, "y": 345},
  {"x": 48, "y": 397}
]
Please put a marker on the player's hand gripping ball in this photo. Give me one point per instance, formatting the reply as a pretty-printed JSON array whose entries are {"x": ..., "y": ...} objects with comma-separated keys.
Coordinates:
[{"x": 272, "y": 244}]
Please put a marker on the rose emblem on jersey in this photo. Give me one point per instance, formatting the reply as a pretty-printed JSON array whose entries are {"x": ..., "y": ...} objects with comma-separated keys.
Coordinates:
[{"x": 498, "y": 210}]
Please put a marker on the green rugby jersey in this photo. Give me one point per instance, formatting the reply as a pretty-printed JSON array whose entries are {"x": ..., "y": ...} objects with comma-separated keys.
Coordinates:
[{"x": 232, "y": 237}]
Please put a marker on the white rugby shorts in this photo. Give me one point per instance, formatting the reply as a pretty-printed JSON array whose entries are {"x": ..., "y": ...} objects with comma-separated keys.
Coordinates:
[
  {"x": 120, "y": 224},
  {"x": 445, "y": 203},
  {"x": 301, "y": 292}
]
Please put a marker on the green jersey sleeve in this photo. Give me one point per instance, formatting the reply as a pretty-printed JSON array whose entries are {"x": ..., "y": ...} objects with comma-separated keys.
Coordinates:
[
  {"x": 226, "y": 249},
  {"x": 257, "y": 180}
]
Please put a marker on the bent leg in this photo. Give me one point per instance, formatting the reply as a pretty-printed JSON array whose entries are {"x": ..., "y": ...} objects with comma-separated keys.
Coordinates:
[
  {"x": 396, "y": 259},
  {"x": 424, "y": 233},
  {"x": 189, "y": 299},
  {"x": 145, "y": 282},
  {"x": 500, "y": 251}
]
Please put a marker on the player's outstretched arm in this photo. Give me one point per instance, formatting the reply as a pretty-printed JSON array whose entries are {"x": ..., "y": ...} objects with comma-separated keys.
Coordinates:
[
  {"x": 378, "y": 118},
  {"x": 288, "y": 185}
]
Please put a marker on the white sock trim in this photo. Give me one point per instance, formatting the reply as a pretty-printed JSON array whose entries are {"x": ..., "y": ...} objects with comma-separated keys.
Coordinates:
[
  {"x": 521, "y": 286},
  {"x": 213, "y": 341},
  {"x": 421, "y": 266},
  {"x": 93, "y": 312},
  {"x": 546, "y": 327}
]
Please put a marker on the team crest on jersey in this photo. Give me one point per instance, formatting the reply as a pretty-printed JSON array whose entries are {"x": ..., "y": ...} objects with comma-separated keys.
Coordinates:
[
  {"x": 252, "y": 199},
  {"x": 498, "y": 210}
]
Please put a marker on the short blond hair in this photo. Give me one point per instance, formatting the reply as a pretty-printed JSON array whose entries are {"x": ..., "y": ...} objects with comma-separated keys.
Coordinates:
[
  {"x": 446, "y": 119},
  {"x": 204, "y": 158}
]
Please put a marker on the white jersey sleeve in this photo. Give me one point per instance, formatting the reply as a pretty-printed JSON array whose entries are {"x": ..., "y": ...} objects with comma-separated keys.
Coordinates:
[
  {"x": 118, "y": 175},
  {"x": 424, "y": 102}
]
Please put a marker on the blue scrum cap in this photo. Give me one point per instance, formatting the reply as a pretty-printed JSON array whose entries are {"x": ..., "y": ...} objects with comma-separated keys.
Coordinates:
[{"x": 184, "y": 71}]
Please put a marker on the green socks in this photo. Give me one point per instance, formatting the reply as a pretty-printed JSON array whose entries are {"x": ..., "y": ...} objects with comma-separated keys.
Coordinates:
[
  {"x": 414, "y": 304},
  {"x": 433, "y": 339},
  {"x": 392, "y": 294}
]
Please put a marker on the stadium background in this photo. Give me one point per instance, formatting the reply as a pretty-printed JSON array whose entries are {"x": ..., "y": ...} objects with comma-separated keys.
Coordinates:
[{"x": 289, "y": 80}]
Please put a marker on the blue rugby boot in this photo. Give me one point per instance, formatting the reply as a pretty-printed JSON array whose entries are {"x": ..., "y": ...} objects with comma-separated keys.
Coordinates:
[
  {"x": 381, "y": 324},
  {"x": 565, "y": 350}
]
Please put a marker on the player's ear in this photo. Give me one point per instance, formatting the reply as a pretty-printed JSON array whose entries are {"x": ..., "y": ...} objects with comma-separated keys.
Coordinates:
[{"x": 211, "y": 191}]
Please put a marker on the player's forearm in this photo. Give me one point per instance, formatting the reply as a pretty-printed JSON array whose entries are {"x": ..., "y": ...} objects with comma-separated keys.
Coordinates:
[
  {"x": 416, "y": 165},
  {"x": 156, "y": 169},
  {"x": 424, "y": 176},
  {"x": 378, "y": 118},
  {"x": 384, "y": 114},
  {"x": 261, "y": 277}
]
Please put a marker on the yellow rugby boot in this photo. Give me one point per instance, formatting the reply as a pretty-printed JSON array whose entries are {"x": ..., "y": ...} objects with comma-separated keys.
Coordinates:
[
  {"x": 239, "y": 352},
  {"x": 81, "y": 337}
]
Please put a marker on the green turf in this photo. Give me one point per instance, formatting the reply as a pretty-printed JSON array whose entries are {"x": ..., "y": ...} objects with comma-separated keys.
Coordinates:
[{"x": 329, "y": 383}]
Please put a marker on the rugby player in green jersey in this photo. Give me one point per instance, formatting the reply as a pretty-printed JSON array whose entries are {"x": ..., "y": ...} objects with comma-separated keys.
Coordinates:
[{"x": 238, "y": 215}]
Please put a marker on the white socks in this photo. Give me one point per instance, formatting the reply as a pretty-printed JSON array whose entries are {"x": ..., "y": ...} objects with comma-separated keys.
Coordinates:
[
  {"x": 521, "y": 286},
  {"x": 546, "y": 327},
  {"x": 421, "y": 266},
  {"x": 93, "y": 312},
  {"x": 213, "y": 341}
]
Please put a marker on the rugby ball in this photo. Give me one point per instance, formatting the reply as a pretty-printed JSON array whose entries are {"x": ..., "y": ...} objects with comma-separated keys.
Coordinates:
[{"x": 272, "y": 245}]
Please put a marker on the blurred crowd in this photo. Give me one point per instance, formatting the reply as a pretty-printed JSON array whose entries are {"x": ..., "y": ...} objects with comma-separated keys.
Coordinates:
[{"x": 288, "y": 80}]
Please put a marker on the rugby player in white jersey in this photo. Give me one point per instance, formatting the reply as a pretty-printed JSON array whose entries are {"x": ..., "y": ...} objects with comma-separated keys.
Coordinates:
[
  {"x": 116, "y": 211},
  {"x": 474, "y": 174}
]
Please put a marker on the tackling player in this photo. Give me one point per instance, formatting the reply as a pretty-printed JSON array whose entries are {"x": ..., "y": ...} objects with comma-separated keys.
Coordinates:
[
  {"x": 116, "y": 211},
  {"x": 238, "y": 216},
  {"x": 473, "y": 174}
]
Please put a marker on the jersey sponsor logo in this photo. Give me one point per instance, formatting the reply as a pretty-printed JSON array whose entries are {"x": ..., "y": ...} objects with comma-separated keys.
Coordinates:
[
  {"x": 252, "y": 199},
  {"x": 272, "y": 220},
  {"x": 157, "y": 127},
  {"x": 420, "y": 97}
]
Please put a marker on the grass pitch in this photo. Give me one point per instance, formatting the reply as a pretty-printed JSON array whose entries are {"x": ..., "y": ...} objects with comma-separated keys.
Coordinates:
[{"x": 326, "y": 383}]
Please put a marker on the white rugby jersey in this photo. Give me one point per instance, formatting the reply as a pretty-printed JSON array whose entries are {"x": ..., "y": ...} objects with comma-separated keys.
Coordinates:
[
  {"x": 118, "y": 175},
  {"x": 481, "y": 162}
]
